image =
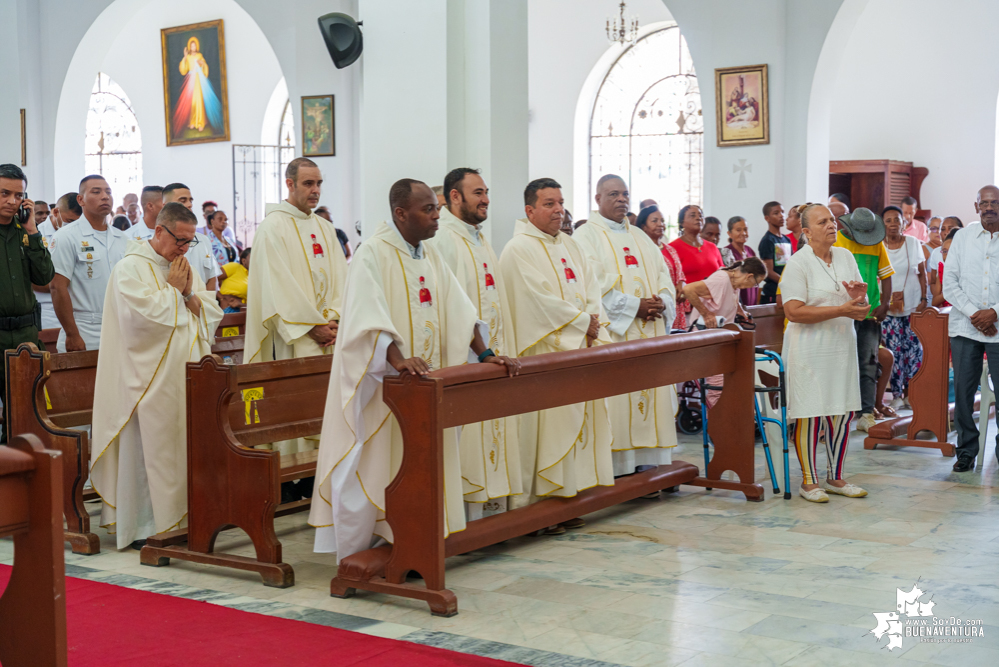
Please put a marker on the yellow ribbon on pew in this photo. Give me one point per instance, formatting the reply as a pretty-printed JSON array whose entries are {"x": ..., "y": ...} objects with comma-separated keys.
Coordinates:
[
  {"x": 230, "y": 331},
  {"x": 48, "y": 402},
  {"x": 250, "y": 395}
]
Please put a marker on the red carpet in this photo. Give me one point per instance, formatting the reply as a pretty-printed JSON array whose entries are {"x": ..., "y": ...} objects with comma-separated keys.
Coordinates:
[{"x": 112, "y": 625}]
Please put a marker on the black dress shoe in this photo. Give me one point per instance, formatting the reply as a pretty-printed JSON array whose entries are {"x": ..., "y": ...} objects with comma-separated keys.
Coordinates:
[
  {"x": 138, "y": 544},
  {"x": 964, "y": 464},
  {"x": 289, "y": 493}
]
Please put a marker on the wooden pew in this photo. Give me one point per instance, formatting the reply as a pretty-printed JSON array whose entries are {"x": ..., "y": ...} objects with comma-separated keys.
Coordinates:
[
  {"x": 49, "y": 338},
  {"x": 479, "y": 392},
  {"x": 51, "y": 394},
  {"x": 33, "y": 605},
  {"x": 229, "y": 410},
  {"x": 927, "y": 391},
  {"x": 769, "y": 331}
]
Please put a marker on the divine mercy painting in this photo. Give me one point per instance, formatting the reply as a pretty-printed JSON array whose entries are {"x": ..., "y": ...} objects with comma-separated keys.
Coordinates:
[{"x": 194, "y": 85}]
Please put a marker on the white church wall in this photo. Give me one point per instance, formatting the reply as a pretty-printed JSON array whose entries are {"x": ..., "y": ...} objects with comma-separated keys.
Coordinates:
[{"x": 919, "y": 83}]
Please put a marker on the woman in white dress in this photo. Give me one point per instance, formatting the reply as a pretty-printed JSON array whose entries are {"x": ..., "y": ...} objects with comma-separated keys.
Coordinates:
[{"x": 823, "y": 293}]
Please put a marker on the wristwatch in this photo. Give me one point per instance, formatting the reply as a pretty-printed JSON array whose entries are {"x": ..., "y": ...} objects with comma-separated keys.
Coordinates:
[{"x": 187, "y": 297}]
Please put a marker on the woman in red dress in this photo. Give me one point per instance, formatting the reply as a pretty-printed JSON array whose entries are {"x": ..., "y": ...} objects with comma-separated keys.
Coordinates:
[
  {"x": 650, "y": 220},
  {"x": 699, "y": 258}
]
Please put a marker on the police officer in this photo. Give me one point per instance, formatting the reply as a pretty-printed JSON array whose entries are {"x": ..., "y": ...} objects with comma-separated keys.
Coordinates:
[
  {"x": 83, "y": 254},
  {"x": 24, "y": 261}
]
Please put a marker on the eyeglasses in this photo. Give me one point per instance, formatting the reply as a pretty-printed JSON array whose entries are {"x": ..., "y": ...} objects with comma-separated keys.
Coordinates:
[
  {"x": 180, "y": 244},
  {"x": 934, "y": 229}
]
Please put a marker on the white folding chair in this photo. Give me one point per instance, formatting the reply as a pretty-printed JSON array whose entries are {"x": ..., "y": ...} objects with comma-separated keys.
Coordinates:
[{"x": 988, "y": 397}]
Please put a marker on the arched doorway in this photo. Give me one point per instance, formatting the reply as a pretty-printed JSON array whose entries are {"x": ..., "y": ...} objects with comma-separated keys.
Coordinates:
[
  {"x": 113, "y": 142},
  {"x": 647, "y": 124}
]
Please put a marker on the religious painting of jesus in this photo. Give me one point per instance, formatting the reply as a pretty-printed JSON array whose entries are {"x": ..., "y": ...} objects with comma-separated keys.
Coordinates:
[
  {"x": 742, "y": 108},
  {"x": 318, "y": 126},
  {"x": 194, "y": 83}
]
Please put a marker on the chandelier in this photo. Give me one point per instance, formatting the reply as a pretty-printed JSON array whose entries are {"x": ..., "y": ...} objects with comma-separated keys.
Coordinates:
[{"x": 622, "y": 31}]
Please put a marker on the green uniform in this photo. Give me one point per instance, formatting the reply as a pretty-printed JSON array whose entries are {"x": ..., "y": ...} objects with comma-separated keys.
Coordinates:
[{"x": 24, "y": 260}]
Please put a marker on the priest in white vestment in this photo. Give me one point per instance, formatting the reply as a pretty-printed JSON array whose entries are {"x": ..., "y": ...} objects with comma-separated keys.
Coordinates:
[
  {"x": 157, "y": 317},
  {"x": 490, "y": 452},
  {"x": 554, "y": 304},
  {"x": 295, "y": 289},
  {"x": 404, "y": 312},
  {"x": 640, "y": 302}
]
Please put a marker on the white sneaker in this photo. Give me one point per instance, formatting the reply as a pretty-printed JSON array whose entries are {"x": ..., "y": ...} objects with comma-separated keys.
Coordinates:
[
  {"x": 898, "y": 403},
  {"x": 814, "y": 495},
  {"x": 850, "y": 490},
  {"x": 865, "y": 422}
]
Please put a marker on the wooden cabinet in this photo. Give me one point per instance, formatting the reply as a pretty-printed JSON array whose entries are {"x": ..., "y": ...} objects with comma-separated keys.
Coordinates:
[{"x": 875, "y": 184}]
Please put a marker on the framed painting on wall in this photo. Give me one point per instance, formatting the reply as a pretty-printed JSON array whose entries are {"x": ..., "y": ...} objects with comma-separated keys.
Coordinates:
[
  {"x": 742, "y": 113},
  {"x": 195, "y": 98},
  {"x": 318, "y": 126}
]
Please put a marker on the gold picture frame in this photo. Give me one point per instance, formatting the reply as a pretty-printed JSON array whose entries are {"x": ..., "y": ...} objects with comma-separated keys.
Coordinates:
[
  {"x": 318, "y": 125},
  {"x": 195, "y": 93},
  {"x": 742, "y": 105}
]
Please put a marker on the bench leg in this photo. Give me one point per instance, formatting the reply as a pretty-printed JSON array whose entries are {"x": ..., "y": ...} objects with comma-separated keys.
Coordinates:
[
  {"x": 275, "y": 575},
  {"x": 86, "y": 544}
]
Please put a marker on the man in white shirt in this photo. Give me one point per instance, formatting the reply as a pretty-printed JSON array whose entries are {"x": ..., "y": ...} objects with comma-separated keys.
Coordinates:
[
  {"x": 152, "y": 203},
  {"x": 199, "y": 251},
  {"x": 64, "y": 211},
  {"x": 83, "y": 254},
  {"x": 972, "y": 288}
]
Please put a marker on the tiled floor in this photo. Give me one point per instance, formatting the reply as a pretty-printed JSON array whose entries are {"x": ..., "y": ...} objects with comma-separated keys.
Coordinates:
[{"x": 695, "y": 578}]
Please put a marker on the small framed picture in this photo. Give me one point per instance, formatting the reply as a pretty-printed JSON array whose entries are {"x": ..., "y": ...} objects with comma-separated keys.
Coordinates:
[
  {"x": 318, "y": 126},
  {"x": 742, "y": 105}
]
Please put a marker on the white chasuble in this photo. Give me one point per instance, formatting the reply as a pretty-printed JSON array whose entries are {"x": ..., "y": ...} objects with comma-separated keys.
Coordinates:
[
  {"x": 418, "y": 304},
  {"x": 551, "y": 293},
  {"x": 139, "y": 455},
  {"x": 490, "y": 454},
  {"x": 626, "y": 261},
  {"x": 295, "y": 283}
]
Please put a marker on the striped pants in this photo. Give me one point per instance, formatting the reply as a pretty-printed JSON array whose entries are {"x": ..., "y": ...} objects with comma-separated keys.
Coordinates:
[{"x": 807, "y": 433}]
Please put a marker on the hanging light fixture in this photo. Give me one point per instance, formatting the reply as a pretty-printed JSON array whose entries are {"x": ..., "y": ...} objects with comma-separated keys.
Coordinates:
[{"x": 621, "y": 30}]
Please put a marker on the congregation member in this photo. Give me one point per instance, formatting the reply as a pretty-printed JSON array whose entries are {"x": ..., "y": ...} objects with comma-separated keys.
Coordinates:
[
  {"x": 235, "y": 277},
  {"x": 972, "y": 287},
  {"x": 29, "y": 264},
  {"x": 295, "y": 292},
  {"x": 938, "y": 300},
  {"x": 647, "y": 203},
  {"x": 913, "y": 227},
  {"x": 65, "y": 210},
  {"x": 640, "y": 302},
  {"x": 935, "y": 239},
  {"x": 936, "y": 259},
  {"x": 341, "y": 235},
  {"x": 862, "y": 233},
  {"x": 223, "y": 251},
  {"x": 199, "y": 250},
  {"x": 151, "y": 201},
  {"x": 403, "y": 312},
  {"x": 698, "y": 259},
  {"x": 207, "y": 208},
  {"x": 121, "y": 223},
  {"x": 158, "y": 316},
  {"x": 838, "y": 197},
  {"x": 129, "y": 199},
  {"x": 439, "y": 193},
  {"x": 824, "y": 294},
  {"x": 793, "y": 224},
  {"x": 651, "y": 221},
  {"x": 908, "y": 296},
  {"x": 737, "y": 250},
  {"x": 838, "y": 208},
  {"x": 554, "y": 304},
  {"x": 41, "y": 213},
  {"x": 83, "y": 254},
  {"x": 489, "y": 451},
  {"x": 774, "y": 250},
  {"x": 132, "y": 213},
  {"x": 567, "y": 227},
  {"x": 711, "y": 231}
]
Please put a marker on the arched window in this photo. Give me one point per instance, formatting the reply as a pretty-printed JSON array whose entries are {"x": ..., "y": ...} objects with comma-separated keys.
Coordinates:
[
  {"x": 647, "y": 124},
  {"x": 114, "y": 143}
]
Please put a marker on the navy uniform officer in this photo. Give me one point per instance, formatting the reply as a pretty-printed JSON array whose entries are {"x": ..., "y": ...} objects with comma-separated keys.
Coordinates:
[
  {"x": 25, "y": 260},
  {"x": 83, "y": 254}
]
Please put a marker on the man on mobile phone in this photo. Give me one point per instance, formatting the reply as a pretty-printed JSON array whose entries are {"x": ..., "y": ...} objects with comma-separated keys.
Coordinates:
[{"x": 26, "y": 261}]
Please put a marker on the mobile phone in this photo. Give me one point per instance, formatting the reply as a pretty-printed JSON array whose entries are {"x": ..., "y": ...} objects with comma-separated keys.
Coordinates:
[{"x": 22, "y": 212}]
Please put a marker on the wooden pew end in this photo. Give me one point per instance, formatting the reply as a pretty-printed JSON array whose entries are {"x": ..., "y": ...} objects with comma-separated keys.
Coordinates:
[{"x": 85, "y": 544}]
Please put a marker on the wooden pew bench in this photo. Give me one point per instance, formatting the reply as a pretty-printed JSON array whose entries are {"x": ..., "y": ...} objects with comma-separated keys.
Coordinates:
[
  {"x": 52, "y": 396},
  {"x": 33, "y": 605},
  {"x": 230, "y": 410}
]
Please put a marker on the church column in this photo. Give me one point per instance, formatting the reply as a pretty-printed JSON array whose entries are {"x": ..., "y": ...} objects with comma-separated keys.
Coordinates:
[{"x": 445, "y": 85}]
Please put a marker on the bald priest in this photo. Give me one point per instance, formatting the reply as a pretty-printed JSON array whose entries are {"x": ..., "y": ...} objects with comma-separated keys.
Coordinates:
[
  {"x": 404, "y": 312},
  {"x": 157, "y": 317}
]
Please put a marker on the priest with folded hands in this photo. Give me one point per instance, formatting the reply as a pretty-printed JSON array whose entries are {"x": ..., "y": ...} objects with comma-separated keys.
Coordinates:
[
  {"x": 553, "y": 299},
  {"x": 157, "y": 317},
  {"x": 403, "y": 312}
]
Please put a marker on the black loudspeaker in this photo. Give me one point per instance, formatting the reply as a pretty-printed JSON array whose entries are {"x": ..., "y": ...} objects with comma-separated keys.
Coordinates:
[{"x": 342, "y": 35}]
